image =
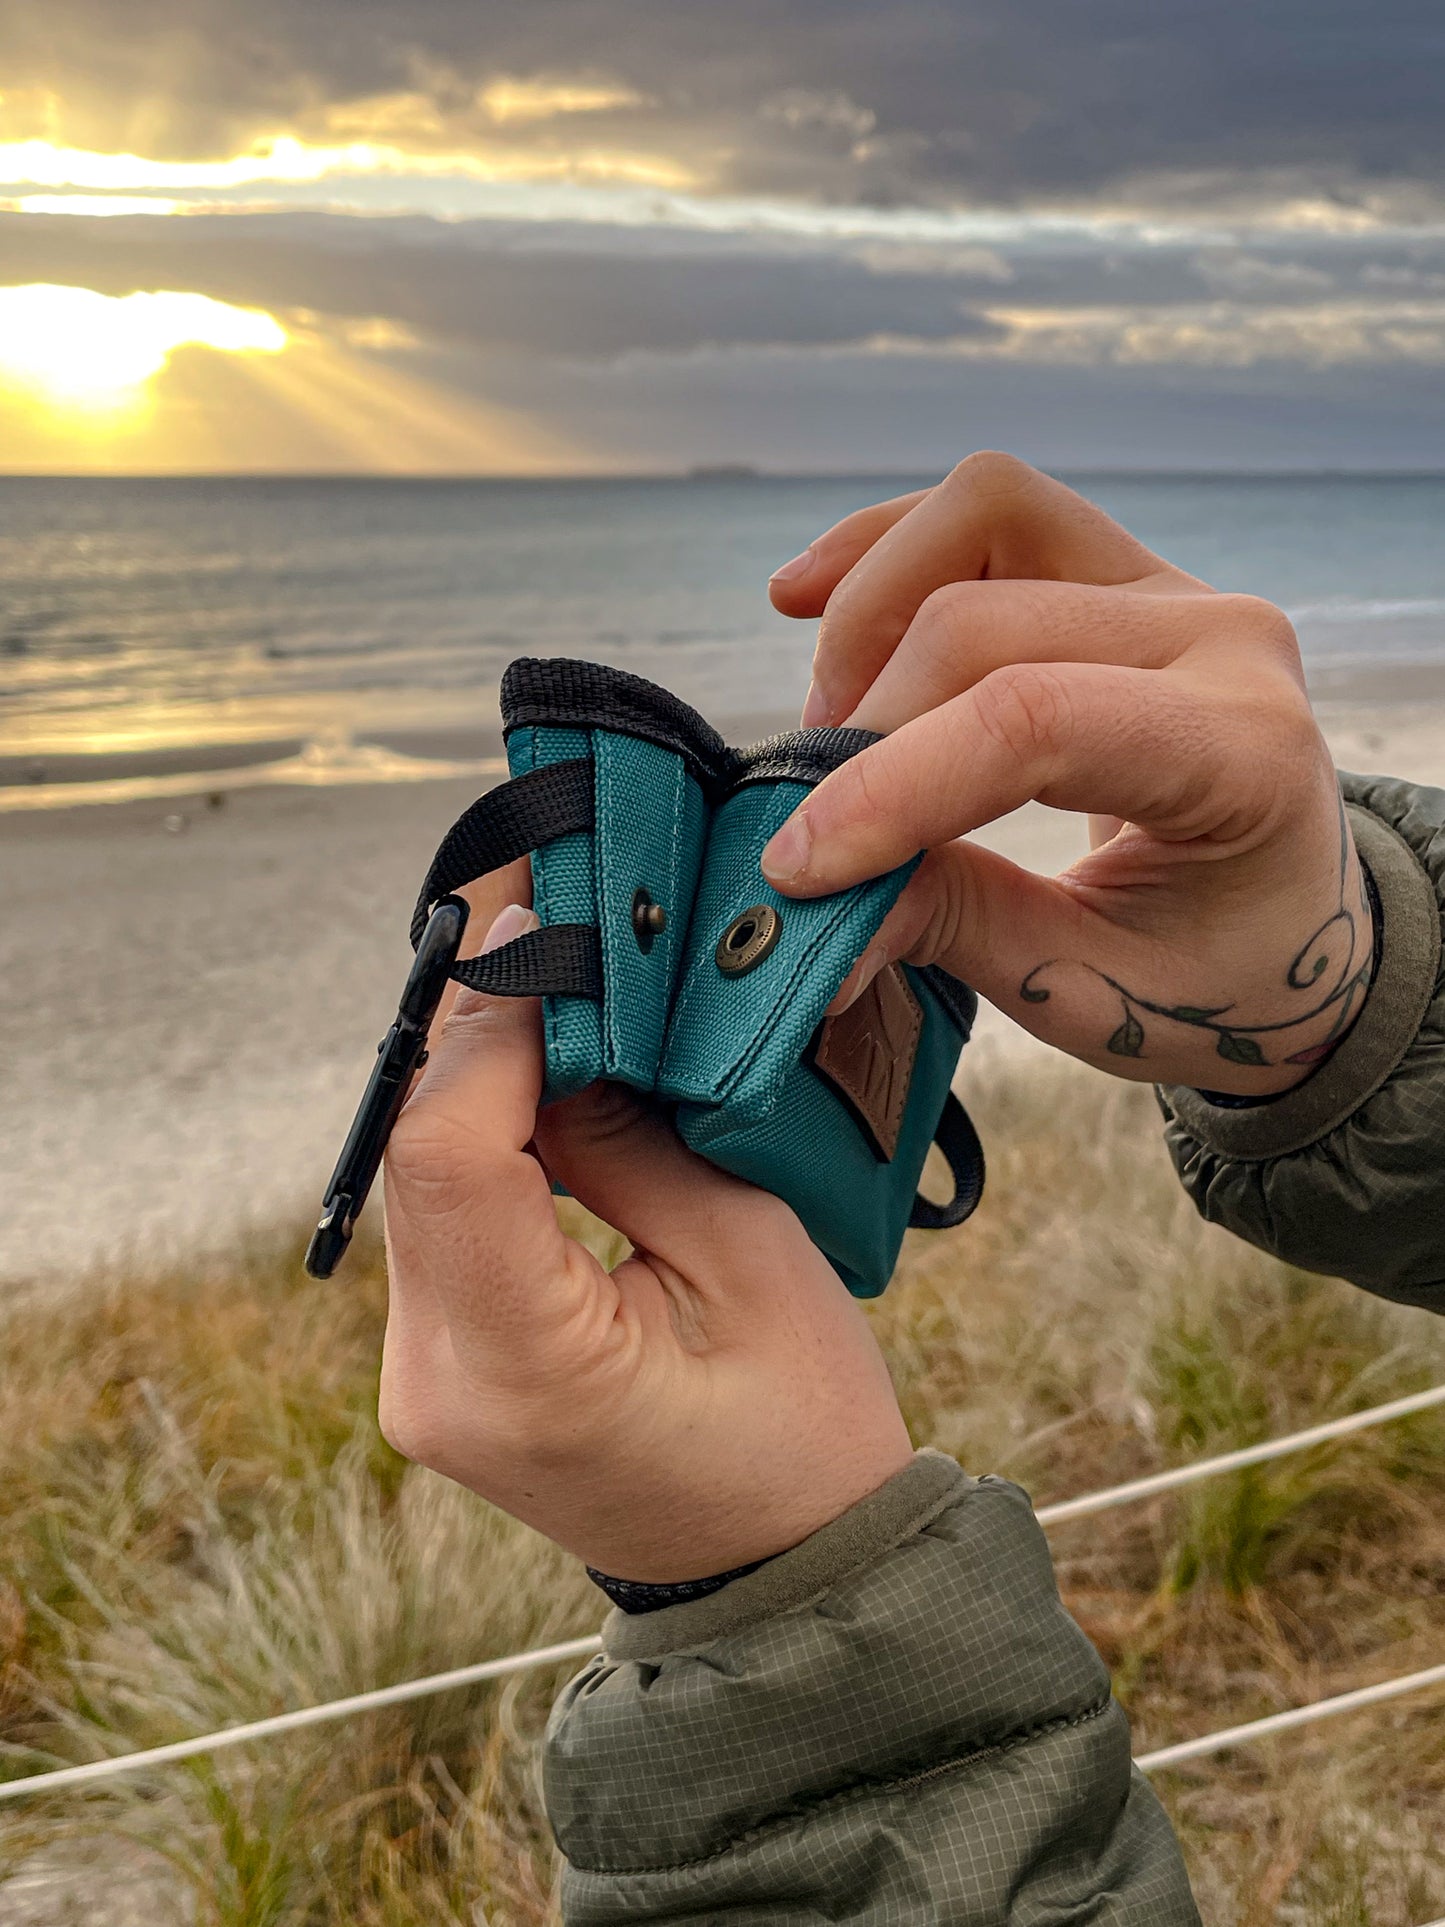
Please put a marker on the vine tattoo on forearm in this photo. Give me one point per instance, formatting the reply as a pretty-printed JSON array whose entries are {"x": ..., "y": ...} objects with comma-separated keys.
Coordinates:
[{"x": 1329, "y": 948}]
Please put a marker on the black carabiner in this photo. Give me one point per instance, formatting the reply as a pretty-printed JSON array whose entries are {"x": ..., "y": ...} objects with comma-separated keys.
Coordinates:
[{"x": 399, "y": 1055}]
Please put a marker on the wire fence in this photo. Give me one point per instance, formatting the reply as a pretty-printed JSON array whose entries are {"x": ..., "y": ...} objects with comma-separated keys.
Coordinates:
[{"x": 60, "y": 1779}]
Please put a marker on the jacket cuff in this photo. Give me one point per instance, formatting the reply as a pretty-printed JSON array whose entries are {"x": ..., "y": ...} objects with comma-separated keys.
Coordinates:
[
  {"x": 929, "y": 1483},
  {"x": 1388, "y": 1025},
  {"x": 897, "y": 1720}
]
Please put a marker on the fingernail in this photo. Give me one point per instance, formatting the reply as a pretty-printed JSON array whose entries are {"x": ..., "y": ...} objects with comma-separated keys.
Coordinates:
[
  {"x": 513, "y": 921},
  {"x": 786, "y": 856},
  {"x": 790, "y": 571},
  {"x": 816, "y": 708},
  {"x": 873, "y": 960}
]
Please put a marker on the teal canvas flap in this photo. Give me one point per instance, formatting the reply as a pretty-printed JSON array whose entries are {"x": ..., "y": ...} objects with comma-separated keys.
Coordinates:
[
  {"x": 731, "y": 1039},
  {"x": 651, "y": 823}
]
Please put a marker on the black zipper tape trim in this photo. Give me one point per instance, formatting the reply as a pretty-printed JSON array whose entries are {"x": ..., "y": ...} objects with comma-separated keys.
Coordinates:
[{"x": 556, "y": 692}]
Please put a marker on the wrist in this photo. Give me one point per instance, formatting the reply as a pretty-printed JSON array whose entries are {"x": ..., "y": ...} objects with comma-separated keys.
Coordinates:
[
  {"x": 1234, "y": 1100},
  {"x": 1304, "y": 959},
  {"x": 1369, "y": 943},
  {"x": 1333, "y": 973},
  {"x": 710, "y": 1537}
]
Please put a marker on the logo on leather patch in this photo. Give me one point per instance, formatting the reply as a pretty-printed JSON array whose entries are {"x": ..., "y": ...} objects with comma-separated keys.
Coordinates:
[{"x": 868, "y": 1052}]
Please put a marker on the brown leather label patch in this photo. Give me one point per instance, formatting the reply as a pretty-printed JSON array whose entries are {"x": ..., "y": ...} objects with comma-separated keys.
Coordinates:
[{"x": 868, "y": 1052}]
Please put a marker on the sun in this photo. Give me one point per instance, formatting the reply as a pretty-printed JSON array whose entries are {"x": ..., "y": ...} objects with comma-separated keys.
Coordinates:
[{"x": 71, "y": 348}]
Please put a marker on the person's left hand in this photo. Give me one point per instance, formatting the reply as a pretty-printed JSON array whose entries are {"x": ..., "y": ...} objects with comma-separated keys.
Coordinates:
[{"x": 712, "y": 1400}]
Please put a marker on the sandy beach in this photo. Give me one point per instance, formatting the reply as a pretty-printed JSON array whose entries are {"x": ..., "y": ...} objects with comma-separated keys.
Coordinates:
[{"x": 192, "y": 986}]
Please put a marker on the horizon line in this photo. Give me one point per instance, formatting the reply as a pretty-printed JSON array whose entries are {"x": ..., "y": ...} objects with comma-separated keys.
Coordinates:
[{"x": 703, "y": 473}]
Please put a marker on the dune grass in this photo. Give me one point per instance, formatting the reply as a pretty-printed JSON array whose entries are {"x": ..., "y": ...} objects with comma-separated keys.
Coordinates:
[{"x": 200, "y": 1524}]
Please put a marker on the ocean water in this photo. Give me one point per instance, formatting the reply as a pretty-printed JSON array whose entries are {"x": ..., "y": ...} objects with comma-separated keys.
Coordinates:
[{"x": 362, "y": 625}]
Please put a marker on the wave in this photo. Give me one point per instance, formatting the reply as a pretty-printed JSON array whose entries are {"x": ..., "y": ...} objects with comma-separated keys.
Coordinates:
[{"x": 1353, "y": 609}]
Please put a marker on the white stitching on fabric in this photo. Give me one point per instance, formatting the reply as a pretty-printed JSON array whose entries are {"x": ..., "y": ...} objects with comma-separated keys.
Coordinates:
[
  {"x": 676, "y": 934},
  {"x": 602, "y": 765},
  {"x": 537, "y": 865}
]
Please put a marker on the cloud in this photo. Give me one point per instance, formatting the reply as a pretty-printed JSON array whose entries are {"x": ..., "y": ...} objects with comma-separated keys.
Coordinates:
[
  {"x": 835, "y": 113},
  {"x": 1032, "y": 201},
  {"x": 1235, "y": 272},
  {"x": 545, "y": 291},
  {"x": 1223, "y": 335},
  {"x": 976, "y": 101},
  {"x": 507, "y": 101},
  {"x": 472, "y": 284}
]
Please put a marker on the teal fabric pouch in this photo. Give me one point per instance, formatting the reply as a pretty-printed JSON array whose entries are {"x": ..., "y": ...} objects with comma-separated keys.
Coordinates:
[{"x": 667, "y": 963}]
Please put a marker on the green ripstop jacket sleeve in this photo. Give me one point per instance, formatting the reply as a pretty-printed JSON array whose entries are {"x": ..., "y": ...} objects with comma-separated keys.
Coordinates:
[
  {"x": 896, "y": 1721},
  {"x": 1346, "y": 1174}
]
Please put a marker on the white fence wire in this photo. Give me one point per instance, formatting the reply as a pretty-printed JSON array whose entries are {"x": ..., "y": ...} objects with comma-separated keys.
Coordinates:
[
  {"x": 59, "y": 1779},
  {"x": 1180, "y": 1475},
  {"x": 1385, "y": 1689}
]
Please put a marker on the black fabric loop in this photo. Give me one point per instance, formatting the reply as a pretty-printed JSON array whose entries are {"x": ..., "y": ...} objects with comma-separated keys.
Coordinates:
[
  {"x": 559, "y": 960},
  {"x": 510, "y": 821},
  {"x": 958, "y": 1141}
]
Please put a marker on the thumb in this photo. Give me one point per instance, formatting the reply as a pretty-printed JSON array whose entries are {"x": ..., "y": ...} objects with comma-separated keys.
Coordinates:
[
  {"x": 993, "y": 923},
  {"x": 473, "y": 1240}
]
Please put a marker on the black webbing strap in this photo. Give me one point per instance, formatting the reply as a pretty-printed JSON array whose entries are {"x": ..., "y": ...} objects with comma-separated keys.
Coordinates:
[
  {"x": 560, "y": 959},
  {"x": 958, "y": 1141},
  {"x": 509, "y": 821}
]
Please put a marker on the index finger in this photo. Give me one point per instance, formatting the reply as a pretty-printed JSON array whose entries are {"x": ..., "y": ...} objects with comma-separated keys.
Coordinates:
[
  {"x": 994, "y": 516},
  {"x": 1142, "y": 744}
]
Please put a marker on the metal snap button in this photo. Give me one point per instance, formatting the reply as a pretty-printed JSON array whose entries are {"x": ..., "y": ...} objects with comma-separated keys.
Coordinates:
[
  {"x": 649, "y": 920},
  {"x": 748, "y": 939}
]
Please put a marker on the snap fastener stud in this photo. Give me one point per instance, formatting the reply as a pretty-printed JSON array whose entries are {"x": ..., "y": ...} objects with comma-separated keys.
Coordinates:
[
  {"x": 649, "y": 920},
  {"x": 748, "y": 939}
]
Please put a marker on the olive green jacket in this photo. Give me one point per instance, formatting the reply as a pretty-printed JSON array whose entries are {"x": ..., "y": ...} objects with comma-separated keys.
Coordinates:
[{"x": 897, "y": 1722}]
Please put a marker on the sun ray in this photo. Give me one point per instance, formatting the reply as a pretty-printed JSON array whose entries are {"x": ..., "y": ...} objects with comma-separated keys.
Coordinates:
[{"x": 390, "y": 420}]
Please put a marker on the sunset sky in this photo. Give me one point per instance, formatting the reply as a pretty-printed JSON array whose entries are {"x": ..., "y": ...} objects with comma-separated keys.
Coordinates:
[{"x": 596, "y": 235}]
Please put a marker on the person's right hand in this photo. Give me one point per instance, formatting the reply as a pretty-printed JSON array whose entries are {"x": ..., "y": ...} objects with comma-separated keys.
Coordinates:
[
  {"x": 712, "y": 1400},
  {"x": 1014, "y": 643}
]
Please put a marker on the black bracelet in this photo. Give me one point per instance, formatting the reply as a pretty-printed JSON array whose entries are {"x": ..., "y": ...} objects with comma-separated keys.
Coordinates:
[{"x": 638, "y": 1596}]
